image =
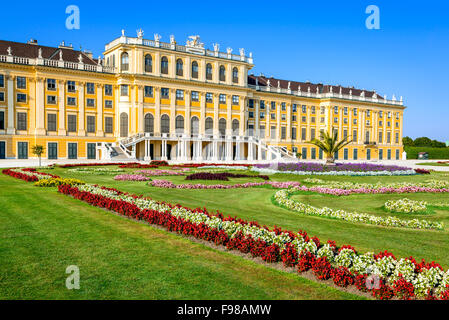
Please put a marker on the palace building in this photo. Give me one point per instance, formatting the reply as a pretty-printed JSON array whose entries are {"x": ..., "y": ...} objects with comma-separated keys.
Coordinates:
[{"x": 147, "y": 99}]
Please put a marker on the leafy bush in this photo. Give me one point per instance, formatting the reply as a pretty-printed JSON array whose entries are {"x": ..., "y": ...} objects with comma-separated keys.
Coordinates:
[{"x": 434, "y": 153}]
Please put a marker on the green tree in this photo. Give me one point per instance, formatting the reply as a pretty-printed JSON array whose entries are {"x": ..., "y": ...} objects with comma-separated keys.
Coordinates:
[
  {"x": 38, "y": 150},
  {"x": 330, "y": 144},
  {"x": 408, "y": 142},
  {"x": 423, "y": 142}
]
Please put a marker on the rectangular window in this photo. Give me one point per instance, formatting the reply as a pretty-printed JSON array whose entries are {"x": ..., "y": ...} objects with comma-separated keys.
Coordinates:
[
  {"x": 235, "y": 99},
  {"x": 51, "y": 121},
  {"x": 322, "y": 120},
  {"x": 21, "y": 97},
  {"x": 283, "y": 107},
  {"x": 355, "y": 112},
  {"x": 294, "y": 107},
  {"x": 2, "y": 120},
  {"x": 303, "y": 134},
  {"x": 380, "y": 137},
  {"x": 51, "y": 84},
  {"x": 262, "y": 104},
  {"x": 304, "y": 109},
  {"x": 179, "y": 94},
  {"x": 336, "y": 110},
  {"x": 195, "y": 96},
  {"x": 250, "y": 103},
  {"x": 345, "y": 134},
  {"x": 312, "y": 119},
  {"x": 368, "y": 113},
  {"x": 209, "y": 97},
  {"x": 354, "y": 136},
  {"x": 354, "y": 121},
  {"x": 222, "y": 99},
  {"x": 380, "y": 123},
  {"x": 91, "y": 124},
  {"x": 303, "y": 119},
  {"x": 262, "y": 115},
  {"x": 2, "y": 96},
  {"x": 52, "y": 152},
  {"x": 72, "y": 152},
  {"x": 148, "y": 91},
  {"x": 335, "y": 120},
  {"x": 304, "y": 153},
  {"x": 397, "y": 154},
  {"x": 345, "y": 111},
  {"x": 90, "y": 102},
  {"x": 71, "y": 87},
  {"x": 2, "y": 81},
  {"x": 323, "y": 110},
  {"x": 355, "y": 155},
  {"x": 108, "y": 104},
  {"x": 108, "y": 90},
  {"x": 312, "y": 134},
  {"x": 21, "y": 82},
  {"x": 283, "y": 117},
  {"x": 273, "y": 105},
  {"x": 294, "y": 118},
  {"x": 22, "y": 150},
  {"x": 380, "y": 114},
  {"x": 251, "y": 114},
  {"x": 345, "y": 121},
  {"x": 108, "y": 124},
  {"x": 397, "y": 124},
  {"x": 283, "y": 133},
  {"x": 273, "y": 116},
  {"x": 381, "y": 154},
  {"x": 312, "y": 109},
  {"x": 22, "y": 121},
  {"x": 165, "y": 93},
  {"x": 273, "y": 132},
  {"x": 90, "y": 88},
  {"x": 345, "y": 153},
  {"x": 389, "y": 154},
  {"x": 124, "y": 92},
  {"x": 51, "y": 99},
  {"x": 71, "y": 123},
  {"x": 313, "y": 153},
  {"x": 71, "y": 101},
  {"x": 388, "y": 137},
  {"x": 396, "y": 139},
  {"x": 293, "y": 133}
]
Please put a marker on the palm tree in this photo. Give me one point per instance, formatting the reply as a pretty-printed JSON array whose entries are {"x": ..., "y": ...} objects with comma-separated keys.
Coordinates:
[
  {"x": 330, "y": 144},
  {"x": 38, "y": 150}
]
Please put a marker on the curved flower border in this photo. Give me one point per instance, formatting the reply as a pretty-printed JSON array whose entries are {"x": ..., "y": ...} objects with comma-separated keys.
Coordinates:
[
  {"x": 170, "y": 185},
  {"x": 282, "y": 198}
]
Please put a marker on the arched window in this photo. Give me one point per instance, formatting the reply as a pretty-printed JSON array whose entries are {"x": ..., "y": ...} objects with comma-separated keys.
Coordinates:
[
  {"x": 148, "y": 63},
  {"x": 149, "y": 123},
  {"x": 125, "y": 62},
  {"x": 164, "y": 65},
  {"x": 222, "y": 73},
  {"x": 209, "y": 126},
  {"x": 179, "y": 67},
  {"x": 235, "y": 75},
  {"x": 195, "y": 70},
  {"x": 222, "y": 126},
  {"x": 235, "y": 127},
  {"x": 165, "y": 124},
  {"x": 209, "y": 71},
  {"x": 179, "y": 122},
  {"x": 123, "y": 124},
  {"x": 195, "y": 125}
]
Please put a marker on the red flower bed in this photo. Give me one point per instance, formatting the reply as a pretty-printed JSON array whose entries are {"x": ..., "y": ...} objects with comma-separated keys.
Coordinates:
[
  {"x": 135, "y": 165},
  {"x": 403, "y": 289},
  {"x": 198, "y": 165},
  {"x": 384, "y": 292},
  {"x": 160, "y": 163},
  {"x": 322, "y": 269},
  {"x": 422, "y": 171},
  {"x": 26, "y": 177},
  {"x": 342, "y": 277}
]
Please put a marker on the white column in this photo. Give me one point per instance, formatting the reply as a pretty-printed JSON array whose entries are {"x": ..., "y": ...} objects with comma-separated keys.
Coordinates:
[
  {"x": 229, "y": 155},
  {"x": 11, "y": 127},
  {"x": 250, "y": 151}
]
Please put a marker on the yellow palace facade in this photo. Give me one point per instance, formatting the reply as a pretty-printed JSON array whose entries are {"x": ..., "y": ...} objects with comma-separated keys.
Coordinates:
[{"x": 147, "y": 99}]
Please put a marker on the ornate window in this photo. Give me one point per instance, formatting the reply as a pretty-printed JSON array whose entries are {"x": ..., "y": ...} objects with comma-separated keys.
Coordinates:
[
  {"x": 222, "y": 74},
  {"x": 148, "y": 63},
  {"x": 179, "y": 122},
  {"x": 195, "y": 125},
  {"x": 209, "y": 125},
  {"x": 125, "y": 62},
  {"x": 235, "y": 127},
  {"x": 222, "y": 127},
  {"x": 149, "y": 123},
  {"x": 164, "y": 65},
  {"x": 165, "y": 124},
  {"x": 179, "y": 67},
  {"x": 209, "y": 71},
  {"x": 195, "y": 70},
  {"x": 235, "y": 75}
]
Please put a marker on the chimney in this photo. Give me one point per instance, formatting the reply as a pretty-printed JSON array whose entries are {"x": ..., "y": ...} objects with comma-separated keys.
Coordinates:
[
  {"x": 32, "y": 41},
  {"x": 89, "y": 54}
]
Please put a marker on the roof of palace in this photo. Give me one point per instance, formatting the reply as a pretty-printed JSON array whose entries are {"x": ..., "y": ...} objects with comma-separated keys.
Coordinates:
[
  {"x": 31, "y": 50},
  {"x": 304, "y": 86}
]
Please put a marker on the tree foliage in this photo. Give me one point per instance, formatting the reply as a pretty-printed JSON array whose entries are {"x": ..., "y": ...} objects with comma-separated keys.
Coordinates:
[{"x": 330, "y": 145}]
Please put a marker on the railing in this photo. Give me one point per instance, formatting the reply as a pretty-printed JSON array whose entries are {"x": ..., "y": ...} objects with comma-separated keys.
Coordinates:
[
  {"x": 325, "y": 95},
  {"x": 57, "y": 64},
  {"x": 176, "y": 47}
]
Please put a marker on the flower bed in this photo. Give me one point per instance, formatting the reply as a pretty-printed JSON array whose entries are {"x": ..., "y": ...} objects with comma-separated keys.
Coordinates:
[
  {"x": 55, "y": 182},
  {"x": 28, "y": 174},
  {"x": 159, "y": 172},
  {"x": 224, "y": 176},
  {"x": 171, "y": 185},
  {"x": 282, "y": 198},
  {"x": 99, "y": 171},
  {"x": 198, "y": 165},
  {"x": 132, "y": 177},
  {"x": 343, "y": 265},
  {"x": 346, "y": 169},
  {"x": 96, "y": 164},
  {"x": 135, "y": 165},
  {"x": 406, "y": 206},
  {"x": 159, "y": 163}
]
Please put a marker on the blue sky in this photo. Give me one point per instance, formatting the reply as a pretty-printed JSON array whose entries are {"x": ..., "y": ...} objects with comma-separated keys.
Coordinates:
[{"x": 322, "y": 41}]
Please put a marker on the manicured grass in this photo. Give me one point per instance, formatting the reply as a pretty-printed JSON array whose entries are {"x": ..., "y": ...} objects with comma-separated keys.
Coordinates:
[
  {"x": 255, "y": 204},
  {"x": 436, "y": 164},
  {"x": 43, "y": 232}
]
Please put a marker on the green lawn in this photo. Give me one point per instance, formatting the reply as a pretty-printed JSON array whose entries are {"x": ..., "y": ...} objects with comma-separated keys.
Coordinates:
[
  {"x": 43, "y": 232},
  {"x": 436, "y": 164}
]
